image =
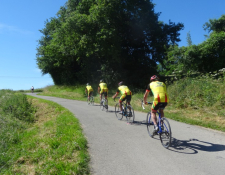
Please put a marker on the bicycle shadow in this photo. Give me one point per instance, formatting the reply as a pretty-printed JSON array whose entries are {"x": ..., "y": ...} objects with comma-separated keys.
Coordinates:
[
  {"x": 137, "y": 123},
  {"x": 192, "y": 146}
]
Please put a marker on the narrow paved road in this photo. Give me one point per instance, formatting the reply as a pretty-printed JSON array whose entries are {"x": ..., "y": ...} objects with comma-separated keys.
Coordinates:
[{"x": 118, "y": 148}]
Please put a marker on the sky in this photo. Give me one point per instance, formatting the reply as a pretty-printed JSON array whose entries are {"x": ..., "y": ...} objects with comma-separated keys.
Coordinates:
[{"x": 21, "y": 20}]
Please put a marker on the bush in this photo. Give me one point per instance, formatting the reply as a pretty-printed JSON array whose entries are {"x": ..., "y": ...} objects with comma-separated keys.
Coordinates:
[
  {"x": 16, "y": 105},
  {"x": 200, "y": 92}
]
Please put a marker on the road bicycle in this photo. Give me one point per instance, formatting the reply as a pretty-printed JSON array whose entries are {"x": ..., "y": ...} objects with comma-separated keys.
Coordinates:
[
  {"x": 163, "y": 124},
  {"x": 104, "y": 104},
  {"x": 91, "y": 102},
  {"x": 127, "y": 111}
]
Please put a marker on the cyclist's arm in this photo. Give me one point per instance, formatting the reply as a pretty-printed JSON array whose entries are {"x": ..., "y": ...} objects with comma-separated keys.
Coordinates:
[
  {"x": 117, "y": 92},
  {"x": 114, "y": 96},
  {"x": 146, "y": 94}
]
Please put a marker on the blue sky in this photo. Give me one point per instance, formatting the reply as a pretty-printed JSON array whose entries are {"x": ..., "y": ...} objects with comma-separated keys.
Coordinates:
[{"x": 21, "y": 20}]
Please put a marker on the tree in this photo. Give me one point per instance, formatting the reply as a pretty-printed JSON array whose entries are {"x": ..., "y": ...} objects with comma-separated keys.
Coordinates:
[
  {"x": 113, "y": 40},
  {"x": 189, "y": 41}
]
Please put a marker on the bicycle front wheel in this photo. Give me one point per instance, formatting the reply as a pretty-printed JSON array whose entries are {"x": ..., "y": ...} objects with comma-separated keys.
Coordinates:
[
  {"x": 166, "y": 134},
  {"x": 130, "y": 114},
  {"x": 117, "y": 110},
  {"x": 150, "y": 125}
]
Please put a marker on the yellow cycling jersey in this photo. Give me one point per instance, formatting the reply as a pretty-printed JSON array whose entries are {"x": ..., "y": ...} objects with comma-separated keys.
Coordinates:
[
  {"x": 159, "y": 91},
  {"x": 89, "y": 88},
  {"x": 103, "y": 86},
  {"x": 124, "y": 90}
]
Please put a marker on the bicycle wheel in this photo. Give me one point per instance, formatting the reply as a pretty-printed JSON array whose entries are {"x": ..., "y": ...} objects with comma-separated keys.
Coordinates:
[
  {"x": 166, "y": 134},
  {"x": 106, "y": 105},
  {"x": 88, "y": 102},
  {"x": 130, "y": 114},
  {"x": 102, "y": 106},
  {"x": 150, "y": 125},
  {"x": 92, "y": 100},
  {"x": 117, "y": 110}
]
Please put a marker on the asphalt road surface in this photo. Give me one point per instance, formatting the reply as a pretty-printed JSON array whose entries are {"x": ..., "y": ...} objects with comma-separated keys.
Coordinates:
[{"x": 119, "y": 148}]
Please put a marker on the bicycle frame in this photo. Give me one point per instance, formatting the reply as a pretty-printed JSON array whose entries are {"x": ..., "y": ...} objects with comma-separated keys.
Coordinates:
[
  {"x": 128, "y": 113},
  {"x": 164, "y": 131},
  {"x": 102, "y": 104}
]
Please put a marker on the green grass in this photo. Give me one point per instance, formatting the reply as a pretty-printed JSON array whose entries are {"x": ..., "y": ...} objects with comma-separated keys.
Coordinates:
[{"x": 53, "y": 144}]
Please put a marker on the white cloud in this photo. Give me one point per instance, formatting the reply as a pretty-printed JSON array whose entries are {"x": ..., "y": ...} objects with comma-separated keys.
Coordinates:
[{"x": 7, "y": 28}]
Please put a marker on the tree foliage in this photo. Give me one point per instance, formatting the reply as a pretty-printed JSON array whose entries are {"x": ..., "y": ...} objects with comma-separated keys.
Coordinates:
[
  {"x": 208, "y": 56},
  {"x": 111, "y": 39}
]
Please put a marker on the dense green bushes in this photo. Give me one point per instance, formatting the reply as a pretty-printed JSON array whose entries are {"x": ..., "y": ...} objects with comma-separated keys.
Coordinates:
[
  {"x": 200, "y": 92},
  {"x": 16, "y": 105}
]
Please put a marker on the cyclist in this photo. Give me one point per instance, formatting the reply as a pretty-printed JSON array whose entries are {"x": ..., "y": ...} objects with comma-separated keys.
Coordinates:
[
  {"x": 160, "y": 97},
  {"x": 89, "y": 91},
  {"x": 32, "y": 89},
  {"x": 125, "y": 94},
  {"x": 102, "y": 90}
]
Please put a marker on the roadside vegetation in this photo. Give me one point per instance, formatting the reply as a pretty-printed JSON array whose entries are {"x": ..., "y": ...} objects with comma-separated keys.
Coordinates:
[
  {"x": 39, "y": 137},
  {"x": 198, "y": 101}
]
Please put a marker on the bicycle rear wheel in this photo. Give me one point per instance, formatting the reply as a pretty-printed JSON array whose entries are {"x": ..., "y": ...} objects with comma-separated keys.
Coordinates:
[
  {"x": 106, "y": 105},
  {"x": 102, "y": 105},
  {"x": 166, "y": 134},
  {"x": 117, "y": 110},
  {"x": 130, "y": 114},
  {"x": 92, "y": 100},
  {"x": 150, "y": 125}
]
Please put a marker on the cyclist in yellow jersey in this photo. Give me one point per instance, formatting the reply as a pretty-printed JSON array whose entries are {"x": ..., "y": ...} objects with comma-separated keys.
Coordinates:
[
  {"x": 102, "y": 89},
  {"x": 89, "y": 91},
  {"x": 125, "y": 94},
  {"x": 160, "y": 97}
]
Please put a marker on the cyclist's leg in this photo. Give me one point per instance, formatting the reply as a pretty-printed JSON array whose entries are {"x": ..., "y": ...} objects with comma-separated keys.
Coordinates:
[
  {"x": 100, "y": 96},
  {"x": 161, "y": 108},
  {"x": 88, "y": 95},
  {"x": 128, "y": 98},
  {"x": 122, "y": 98},
  {"x": 154, "y": 109},
  {"x": 106, "y": 93}
]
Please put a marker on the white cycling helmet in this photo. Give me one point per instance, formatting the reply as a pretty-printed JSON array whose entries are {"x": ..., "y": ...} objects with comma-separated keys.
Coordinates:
[{"x": 120, "y": 83}]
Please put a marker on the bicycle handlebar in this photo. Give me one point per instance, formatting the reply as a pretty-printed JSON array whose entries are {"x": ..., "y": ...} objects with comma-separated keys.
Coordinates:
[
  {"x": 115, "y": 98},
  {"x": 142, "y": 104}
]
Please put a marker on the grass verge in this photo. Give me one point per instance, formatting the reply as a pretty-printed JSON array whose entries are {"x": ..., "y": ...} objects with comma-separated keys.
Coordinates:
[{"x": 54, "y": 144}]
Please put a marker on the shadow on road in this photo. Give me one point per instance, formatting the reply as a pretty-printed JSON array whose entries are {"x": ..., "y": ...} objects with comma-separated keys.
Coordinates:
[{"x": 192, "y": 146}]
